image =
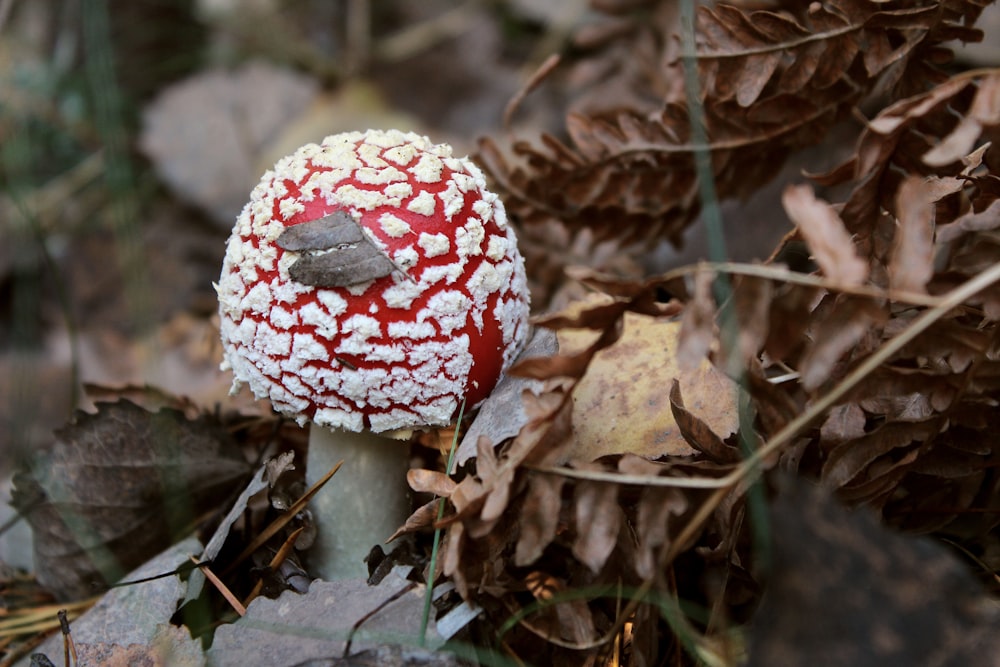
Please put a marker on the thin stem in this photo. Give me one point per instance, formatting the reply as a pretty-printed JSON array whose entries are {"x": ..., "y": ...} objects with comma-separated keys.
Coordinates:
[{"x": 428, "y": 598}]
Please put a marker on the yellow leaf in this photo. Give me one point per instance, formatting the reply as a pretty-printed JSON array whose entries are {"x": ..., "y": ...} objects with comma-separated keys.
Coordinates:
[{"x": 622, "y": 403}]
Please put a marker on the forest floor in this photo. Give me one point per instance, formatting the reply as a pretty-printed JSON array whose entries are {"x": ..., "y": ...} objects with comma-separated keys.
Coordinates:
[{"x": 756, "y": 424}]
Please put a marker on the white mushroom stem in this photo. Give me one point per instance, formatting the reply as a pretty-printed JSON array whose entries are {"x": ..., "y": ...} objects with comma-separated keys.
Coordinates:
[{"x": 362, "y": 505}]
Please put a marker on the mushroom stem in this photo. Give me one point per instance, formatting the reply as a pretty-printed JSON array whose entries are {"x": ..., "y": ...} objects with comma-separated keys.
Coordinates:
[{"x": 366, "y": 500}]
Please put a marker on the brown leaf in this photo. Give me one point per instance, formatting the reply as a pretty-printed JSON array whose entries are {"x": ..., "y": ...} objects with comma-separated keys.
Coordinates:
[
  {"x": 847, "y": 460},
  {"x": 116, "y": 487},
  {"x": 539, "y": 517},
  {"x": 658, "y": 511},
  {"x": 983, "y": 112},
  {"x": 912, "y": 262},
  {"x": 697, "y": 323},
  {"x": 423, "y": 518},
  {"x": 912, "y": 407},
  {"x": 982, "y": 221},
  {"x": 429, "y": 481},
  {"x": 788, "y": 319},
  {"x": 845, "y": 422},
  {"x": 824, "y": 233},
  {"x": 898, "y": 137},
  {"x": 836, "y": 334},
  {"x": 697, "y": 433},
  {"x": 753, "y": 301},
  {"x": 598, "y": 520}
]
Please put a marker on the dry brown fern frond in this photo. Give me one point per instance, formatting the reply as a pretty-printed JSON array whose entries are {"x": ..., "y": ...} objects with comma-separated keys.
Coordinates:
[{"x": 770, "y": 82}]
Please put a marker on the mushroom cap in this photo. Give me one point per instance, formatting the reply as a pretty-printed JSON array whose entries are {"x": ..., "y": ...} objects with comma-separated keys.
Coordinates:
[{"x": 401, "y": 292}]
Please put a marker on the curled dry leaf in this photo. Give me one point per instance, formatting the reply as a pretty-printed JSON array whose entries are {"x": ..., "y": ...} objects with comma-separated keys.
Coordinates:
[
  {"x": 824, "y": 233},
  {"x": 845, "y": 422},
  {"x": 836, "y": 331},
  {"x": 898, "y": 137},
  {"x": 540, "y": 517},
  {"x": 428, "y": 481},
  {"x": 983, "y": 112},
  {"x": 697, "y": 432},
  {"x": 698, "y": 323}
]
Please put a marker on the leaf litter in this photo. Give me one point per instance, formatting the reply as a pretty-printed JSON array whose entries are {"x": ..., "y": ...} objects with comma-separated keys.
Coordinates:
[{"x": 872, "y": 372}]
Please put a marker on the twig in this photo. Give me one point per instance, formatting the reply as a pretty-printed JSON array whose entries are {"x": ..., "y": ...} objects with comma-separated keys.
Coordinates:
[
  {"x": 222, "y": 588},
  {"x": 283, "y": 520},
  {"x": 533, "y": 82},
  {"x": 421, "y": 36}
]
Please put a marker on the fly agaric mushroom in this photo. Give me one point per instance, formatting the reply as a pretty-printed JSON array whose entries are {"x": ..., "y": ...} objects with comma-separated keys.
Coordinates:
[{"x": 370, "y": 286}]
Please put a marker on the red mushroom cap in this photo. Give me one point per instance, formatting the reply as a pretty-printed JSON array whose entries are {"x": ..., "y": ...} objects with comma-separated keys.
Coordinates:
[{"x": 372, "y": 281}]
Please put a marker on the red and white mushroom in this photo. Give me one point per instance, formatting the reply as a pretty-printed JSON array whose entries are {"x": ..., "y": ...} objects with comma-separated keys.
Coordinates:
[{"x": 370, "y": 286}]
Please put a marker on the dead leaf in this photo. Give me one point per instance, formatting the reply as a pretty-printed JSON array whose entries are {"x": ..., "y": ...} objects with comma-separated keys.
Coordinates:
[
  {"x": 134, "y": 620},
  {"x": 540, "y": 517},
  {"x": 621, "y": 404},
  {"x": 697, "y": 322},
  {"x": 983, "y": 112},
  {"x": 826, "y": 236},
  {"x": 214, "y": 546},
  {"x": 985, "y": 220},
  {"x": 911, "y": 264},
  {"x": 658, "y": 511},
  {"x": 295, "y": 628},
  {"x": 845, "y": 422},
  {"x": 502, "y": 415},
  {"x": 697, "y": 433},
  {"x": 116, "y": 486},
  {"x": 849, "y": 459},
  {"x": 598, "y": 520},
  {"x": 752, "y": 301},
  {"x": 429, "y": 481},
  {"x": 836, "y": 333},
  {"x": 205, "y": 133},
  {"x": 334, "y": 251}
]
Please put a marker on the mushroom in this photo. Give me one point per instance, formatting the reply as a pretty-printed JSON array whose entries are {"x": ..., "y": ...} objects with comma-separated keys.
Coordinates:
[{"x": 370, "y": 286}]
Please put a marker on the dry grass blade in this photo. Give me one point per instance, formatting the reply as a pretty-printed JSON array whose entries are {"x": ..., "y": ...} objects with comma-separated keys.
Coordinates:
[{"x": 42, "y": 618}]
